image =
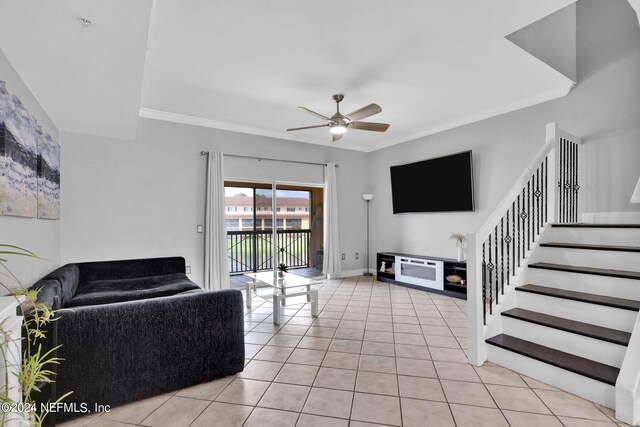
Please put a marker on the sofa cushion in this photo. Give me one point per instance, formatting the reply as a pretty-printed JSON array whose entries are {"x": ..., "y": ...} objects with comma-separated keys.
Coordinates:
[
  {"x": 127, "y": 269},
  {"x": 118, "y": 290},
  {"x": 68, "y": 276}
]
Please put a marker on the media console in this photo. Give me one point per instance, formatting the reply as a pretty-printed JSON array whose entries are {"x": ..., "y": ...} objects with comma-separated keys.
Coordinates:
[{"x": 439, "y": 275}]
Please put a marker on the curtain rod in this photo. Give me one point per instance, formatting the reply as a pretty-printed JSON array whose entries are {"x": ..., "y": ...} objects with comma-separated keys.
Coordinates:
[{"x": 204, "y": 153}]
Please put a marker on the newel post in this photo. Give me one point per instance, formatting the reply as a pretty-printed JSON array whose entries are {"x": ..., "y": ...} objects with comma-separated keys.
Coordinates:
[{"x": 477, "y": 346}]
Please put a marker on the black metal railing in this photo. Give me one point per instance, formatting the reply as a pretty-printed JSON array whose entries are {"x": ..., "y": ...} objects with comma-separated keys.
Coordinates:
[
  {"x": 253, "y": 250},
  {"x": 508, "y": 243},
  {"x": 567, "y": 181}
]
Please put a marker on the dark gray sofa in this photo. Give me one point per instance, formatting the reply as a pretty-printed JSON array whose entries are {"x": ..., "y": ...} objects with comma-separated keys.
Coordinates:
[{"x": 137, "y": 328}]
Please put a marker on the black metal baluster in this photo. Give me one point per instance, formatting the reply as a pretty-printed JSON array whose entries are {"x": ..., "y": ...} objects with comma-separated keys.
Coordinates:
[
  {"x": 484, "y": 286},
  {"x": 576, "y": 187},
  {"x": 561, "y": 184},
  {"x": 496, "y": 252},
  {"x": 528, "y": 217},
  {"x": 518, "y": 222},
  {"x": 507, "y": 240},
  {"x": 513, "y": 234},
  {"x": 546, "y": 193},
  {"x": 538, "y": 194},
  {"x": 501, "y": 255},
  {"x": 490, "y": 274}
]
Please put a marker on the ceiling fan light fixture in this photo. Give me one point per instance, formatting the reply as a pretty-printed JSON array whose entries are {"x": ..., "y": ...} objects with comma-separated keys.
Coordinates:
[{"x": 338, "y": 129}]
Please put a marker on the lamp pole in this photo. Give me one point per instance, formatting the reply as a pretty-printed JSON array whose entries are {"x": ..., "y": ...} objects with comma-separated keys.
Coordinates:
[{"x": 367, "y": 198}]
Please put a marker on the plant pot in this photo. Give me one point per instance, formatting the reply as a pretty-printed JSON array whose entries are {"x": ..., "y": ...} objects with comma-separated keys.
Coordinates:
[{"x": 281, "y": 274}]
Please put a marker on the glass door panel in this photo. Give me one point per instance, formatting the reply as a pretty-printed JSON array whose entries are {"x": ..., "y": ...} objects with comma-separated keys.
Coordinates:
[{"x": 293, "y": 209}]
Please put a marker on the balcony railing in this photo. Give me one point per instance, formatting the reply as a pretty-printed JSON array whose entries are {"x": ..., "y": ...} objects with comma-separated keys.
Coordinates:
[{"x": 250, "y": 251}]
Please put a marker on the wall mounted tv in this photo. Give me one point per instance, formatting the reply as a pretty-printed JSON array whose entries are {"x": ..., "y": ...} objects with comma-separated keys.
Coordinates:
[{"x": 443, "y": 184}]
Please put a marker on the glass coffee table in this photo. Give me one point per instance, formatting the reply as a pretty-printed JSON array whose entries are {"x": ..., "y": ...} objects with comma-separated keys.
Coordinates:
[{"x": 283, "y": 288}]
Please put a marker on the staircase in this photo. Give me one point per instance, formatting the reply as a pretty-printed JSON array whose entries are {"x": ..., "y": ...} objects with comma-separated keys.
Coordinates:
[{"x": 572, "y": 319}]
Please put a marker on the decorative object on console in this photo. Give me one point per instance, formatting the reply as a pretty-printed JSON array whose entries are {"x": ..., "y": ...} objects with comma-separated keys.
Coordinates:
[
  {"x": 29, "y": 164},
  {"x": 383, "y": 267},
  {"x": 460, "y": 239},
  {"x": 282, "y": 269},
  {"x": 367, "y": 198}
]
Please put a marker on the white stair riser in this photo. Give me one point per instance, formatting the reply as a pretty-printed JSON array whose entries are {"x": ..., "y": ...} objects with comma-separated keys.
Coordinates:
[
  {"x": 589, "y": 258},
  {"x": 589, "y": 348},
  {"x": 589, "y": 283},
  {"x": 579, "y": 385},
  {"x": 596, "y": 236},
  {"x": 594, "y": 314}
]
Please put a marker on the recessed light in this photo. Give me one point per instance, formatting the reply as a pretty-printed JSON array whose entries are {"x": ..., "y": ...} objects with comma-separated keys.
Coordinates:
[{"x": 85, "y": 22}]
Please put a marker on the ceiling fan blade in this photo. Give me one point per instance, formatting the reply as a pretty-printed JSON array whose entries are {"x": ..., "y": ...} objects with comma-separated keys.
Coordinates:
[
  {"x": 308, "y": 127},
  {"x": 314, "y": 113},
  {"x": 363, "y": 112},
  {"x": 336, "y": 136},
  {"x": 376, "y": 127}
]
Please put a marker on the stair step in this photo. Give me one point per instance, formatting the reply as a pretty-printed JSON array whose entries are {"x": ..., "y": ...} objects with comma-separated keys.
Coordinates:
[
  {"x": 624, "y": 274},
  {"x": 624, "y": 304},
  {"x": 592, "y": 331},
  {"x": 586, "y": 225},
  {"x": 591, "y": 247},
  {"x": 576, "y": 364}
]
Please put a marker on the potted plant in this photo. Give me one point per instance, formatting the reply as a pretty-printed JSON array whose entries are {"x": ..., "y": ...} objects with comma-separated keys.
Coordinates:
[
  {"x": 35, "y": 368},
  {"x": 282, "y": 269},
  {"x": 460, "y": 242}
]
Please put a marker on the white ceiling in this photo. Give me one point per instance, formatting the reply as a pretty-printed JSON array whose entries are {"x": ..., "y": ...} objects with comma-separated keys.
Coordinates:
[{"x": 245, "y": 65}]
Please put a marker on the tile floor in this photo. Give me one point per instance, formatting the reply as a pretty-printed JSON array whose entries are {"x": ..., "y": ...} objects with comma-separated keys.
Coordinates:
[{"x": 377, "y": 355}]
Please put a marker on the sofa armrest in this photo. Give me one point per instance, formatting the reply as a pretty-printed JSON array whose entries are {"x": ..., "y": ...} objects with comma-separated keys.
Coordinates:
[{"x": 115, "y": 353}]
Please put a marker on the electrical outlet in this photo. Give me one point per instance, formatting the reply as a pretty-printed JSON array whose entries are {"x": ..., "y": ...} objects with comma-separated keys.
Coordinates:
[
  {"x": 357, "y": 255},
  {"x": 199, "y": 229},
  {"x": 344, "y": 256},
  {"x": 188, "y": 269}
]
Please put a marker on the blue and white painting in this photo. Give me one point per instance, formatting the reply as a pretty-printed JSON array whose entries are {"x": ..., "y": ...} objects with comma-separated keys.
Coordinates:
[
  {"x": 29, "y": 163},
  {"x": 48, "y": 176}
]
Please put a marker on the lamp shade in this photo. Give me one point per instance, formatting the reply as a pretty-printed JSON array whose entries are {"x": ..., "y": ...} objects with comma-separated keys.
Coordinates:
[{"x": 367, "y": 197}]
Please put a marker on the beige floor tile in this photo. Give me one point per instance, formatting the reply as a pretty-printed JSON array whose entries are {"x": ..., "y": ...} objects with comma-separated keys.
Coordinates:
[
  {"x": 261, "y": 370},
  {"x": 420, "y": 413},
  {"x": 273, "y": 353},
  {"x": 437, "y": 330},
  {"x": 285, "y": 340},
  {"x": 340, "y": 379},
  {"x": 223, "y": 415},
  {"x": 307, "y": 420},
  {"x": 577, "y": 422},
  {"x": 267, "y": 327},
  {"x": 349, "y": 334},
  {"x": 350, "y": 315},
  {"x": 341, "y": 360},
  {"x": 377, "y": 364},
  {"x": 321, "y": 331},
  {"x": 325, "y": 322},
  {"x": 448, "y": 355},
  {"x": 378, "y": 348},
  {"x": 525, "y": 419},
  {"x": 517, "y": 399},
  {"x": 456, "y": 371},
  {"x": 345, "y": 346},
  {"x": 293, "y": 330},
  {"x": 304, "y": 356},
  {"x": 467, "y": 393},
  {"x": 176, "y": 412},
  {"x": 378, "y": 336},
  {"x": 538, "y": 385},
  {"x": 330, "y": 403},
  {"x": 257, "y": 338},
  {"x": 416, "y": 368},
  {"x": 99, "y": 422},
  {"x": 421, "y": 388},
  {"x": 472, "y": 416},
  {"x": 427, "y": 322},
  {"x": 297, "y": 374},
  {"x": 440, "y": 341},
  {"x": 286, "y": 397},
  {"x": 412, "y": 320},
  {"x": 384, "y": 318},
  {"x": 379, "y": 326},
  {"x": 378, "y": 383},
  {"x": 137, "y": 411},
  {"x": 492, "y": 374},
  {"x": 568, "y": 405},
  {"x": 377, "y": 409},
  {"x": 412, "y": 339},
  {"x": 315, "y": 343},
  {"x": 251, "y": 350},
  {"x": 78, "y": 422},
  {"x": 412, "y": 351},
  {"x": 407, "y": 328},
  {"x": 262, "y": 417},
  {"x": 243, "y": 392},
  {"x": 301, "y": 321}
]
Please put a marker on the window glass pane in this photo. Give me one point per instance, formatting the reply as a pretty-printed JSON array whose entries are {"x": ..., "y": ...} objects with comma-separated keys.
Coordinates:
[
  {"x": 232, "y": 224},
  {"x": 294, "y": 223}
]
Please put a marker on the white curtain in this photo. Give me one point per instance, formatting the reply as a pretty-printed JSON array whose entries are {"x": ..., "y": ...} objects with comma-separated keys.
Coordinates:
[
  {"x": 216, "y": 269},
  {"x": 331, "y": 262}
]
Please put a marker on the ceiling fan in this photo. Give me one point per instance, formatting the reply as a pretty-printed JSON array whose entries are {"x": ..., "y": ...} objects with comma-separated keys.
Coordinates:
[{"x": 339, "y": 123}]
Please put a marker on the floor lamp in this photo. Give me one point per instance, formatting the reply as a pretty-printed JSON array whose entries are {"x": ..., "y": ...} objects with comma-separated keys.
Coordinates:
[{"x": 367, "y": 198}]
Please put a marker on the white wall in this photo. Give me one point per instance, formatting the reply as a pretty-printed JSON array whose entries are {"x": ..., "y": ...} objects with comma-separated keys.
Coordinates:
[
  {"x": 144, "y": 198},
  {"x": 604, "y": 109},
  {"x": 41, "y": 236}
]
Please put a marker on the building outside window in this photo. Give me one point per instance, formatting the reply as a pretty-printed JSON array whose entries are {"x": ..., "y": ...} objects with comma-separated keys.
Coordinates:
[
  {"x": 291, "y": 209},
  {"x": 232, "y": 209},
  {"x": 248, "y": 208},
  {"x": 233, "y": 224}
]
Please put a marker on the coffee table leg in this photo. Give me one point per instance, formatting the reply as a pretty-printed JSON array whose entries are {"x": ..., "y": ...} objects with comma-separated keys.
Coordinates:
[
  {"x": 284, "y": 300},
  {"x": 314, "y": 303},
  {"x": 248, "y": 291},
  {"x": 276, "y": 309},
  {"x": 309, "y": 293}
]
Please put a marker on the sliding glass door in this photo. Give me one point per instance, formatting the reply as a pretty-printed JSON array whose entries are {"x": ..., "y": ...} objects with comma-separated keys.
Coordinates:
[{"x": 251, "y": 214}]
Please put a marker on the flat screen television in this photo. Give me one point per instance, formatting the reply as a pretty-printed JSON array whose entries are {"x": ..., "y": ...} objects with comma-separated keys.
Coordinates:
[{"x": 443, "y": 184}]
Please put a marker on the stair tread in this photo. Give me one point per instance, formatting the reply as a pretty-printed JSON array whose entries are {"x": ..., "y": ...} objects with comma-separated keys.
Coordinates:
[
  {"x": 591, "y": 246},
  {"x": 579, "y": 365},
  {"x": 625, "y": 304},
  {"x": 624, "y": 274},
  {"x": 592, "y": 225},
  {"x": 585, "y": 329}
]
